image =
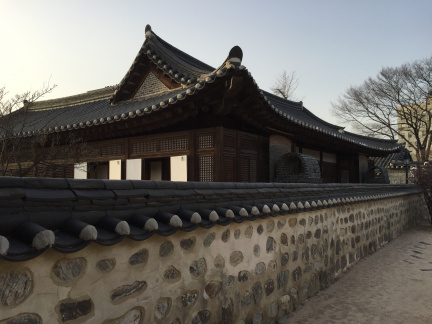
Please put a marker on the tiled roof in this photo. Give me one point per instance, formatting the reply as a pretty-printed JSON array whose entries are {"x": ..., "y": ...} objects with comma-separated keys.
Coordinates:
[
  {"x": 192, "y": 75},
  {"x": 68, "y": 214},
  {"x": 396, "y": 158}
]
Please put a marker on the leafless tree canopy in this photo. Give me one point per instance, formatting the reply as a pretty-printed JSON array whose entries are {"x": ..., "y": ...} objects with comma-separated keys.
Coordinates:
[
  {"x": 423, "y": 179},
  {"x": 35, "y": 155},
  {"x": 286, "y": 85},
  {"x": 373, "y": 107}
]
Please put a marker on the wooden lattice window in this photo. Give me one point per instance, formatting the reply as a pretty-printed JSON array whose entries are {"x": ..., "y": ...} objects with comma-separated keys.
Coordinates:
[
  {"x": 161, "y": 145},
  {"x": 248, "y": 143},
  {"x": 145, "y": 147},
  {"x": 206, "y": 168},
  {"x": 229, "y": 167},
  {"x": 229, "y": 140},
  {"x": 174, "y": 144},
  {"x": 110, "y": 150},
  {"x": 244, "y": 170},
  {"x": 206, "y": 141},
  {"x": 252, "y": 170},
  {"x": 248, "y": 169}
]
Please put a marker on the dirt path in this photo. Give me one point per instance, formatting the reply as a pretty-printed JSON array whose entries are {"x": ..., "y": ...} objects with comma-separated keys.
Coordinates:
[{"x": 394, "y": 285}]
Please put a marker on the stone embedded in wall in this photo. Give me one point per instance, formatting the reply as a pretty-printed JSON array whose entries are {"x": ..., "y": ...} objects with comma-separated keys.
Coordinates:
[
  {"x": 202, "y": 317},
  {"x": 213, "y": 288},
  {"x": 219, "y": 262},
  {"x": 269, "y": 287},
  {"x": 351, "y": 258},
  {"x": 310, "y": 220},
  {"x": 272, "y": 265},
  {"x": 236, "y": 258},
  {"x": 226, "y": 235},
  {"x": 281, "y": 223},
  {"x": 246, "y": 299},
  {"x": 292, "y": 222},
  {"x": 344, "y": 261},
  {"x": 163, "y": 307},
  {"x": 284, "y": 259},
  {"x": 227, "y": 311},
  {"x": 106, "y": 265},
  {"x": 337, "y": 265},
  {"x": 73, "y": 309},
  {"x": 317, "y": 234},
  {"x": 189, "y": 298},
  {"x": 172, "y": 274},
  {"x": 230, "y": 281},
  {"x": 66, "y": 271},
  {"x": 304, "y": 292},
  {"x": 257, "y": 250},
  {"x": 257, "y": 291},
  {"x": 270, "y": 226},
  {"x": 166, "y": 249},
  {"x": 282, "y": 279},
  {"x": 300, "y": 239},
  {"x": 260, "y": 229},
  {"x": 305, "y": 255},
  {"x": 293, "y": 239},
  {"x": 209, "y": 239},
  {"x": 243, "y": 276},
  {"x": 176, "y": 321},
  {"x": 302, "y": 222},
  {"x": 24, "y": 318},
  {"x": 273, "y": 309},
  {"x": 297, "y": 274},
  {"x": 314, "y": 251},
  {"x": 188, "y": 243},
  {"x": 133, "y": 316},
  {"x": 198, "y": 268},
  {"x": 257, "y": 317},
  {"x": 125, "y": 291},
  {"x": 270, "y": 244},
  {"x": 249, "y": 232},
  {"x": 284, "y": 239},
  {"x": 15, "y": 286},
  {"x": 260, "y": 268},
  {"x": 237, "y": 234},
  {"x": 338, "y": 247},
  {"x": 285, "y": 302},
  {"x": 308, "y": 235},
  {"x": 139, "y": 258},
  {"x": 294, "y": 256},
  {"x": 294, "y": 295}
]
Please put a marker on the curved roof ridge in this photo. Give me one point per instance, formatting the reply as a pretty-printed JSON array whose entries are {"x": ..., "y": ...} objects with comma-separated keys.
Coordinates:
[
  {"x": 384, "y": 140},
  {"x": 81, "y": 98},
  {"x": 278, "y": 98},
  {"x": 186, "y": 58}
]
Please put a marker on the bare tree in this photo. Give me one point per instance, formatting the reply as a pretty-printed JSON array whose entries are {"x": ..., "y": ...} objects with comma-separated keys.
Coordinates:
[
  {"x": 285, "y": 85},
  {"x": 396, "y": 104},
  {"x": 423, "y": 179},
  {"x": 37, "y": 153}
]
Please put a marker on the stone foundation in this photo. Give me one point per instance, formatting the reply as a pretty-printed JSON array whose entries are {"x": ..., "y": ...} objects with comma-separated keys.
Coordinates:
[{"x": 255, "y": 271}]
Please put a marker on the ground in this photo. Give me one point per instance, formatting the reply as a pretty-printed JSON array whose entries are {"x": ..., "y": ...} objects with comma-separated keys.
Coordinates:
[{"x": 393, "y": 285}]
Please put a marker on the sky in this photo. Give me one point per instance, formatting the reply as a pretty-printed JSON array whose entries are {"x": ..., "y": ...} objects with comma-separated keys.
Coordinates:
[{"x": 331, "y": 45}]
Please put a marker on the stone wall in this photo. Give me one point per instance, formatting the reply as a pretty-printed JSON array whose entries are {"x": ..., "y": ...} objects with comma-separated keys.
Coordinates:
[
  {"x": 297, "y": 168},
  {"x": 248, "y": 272}
]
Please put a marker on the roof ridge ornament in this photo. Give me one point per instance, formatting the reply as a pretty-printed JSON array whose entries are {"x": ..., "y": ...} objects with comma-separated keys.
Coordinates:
[
  {"x": 148, "y": 31},
  {"x": 235, "y": 56}
]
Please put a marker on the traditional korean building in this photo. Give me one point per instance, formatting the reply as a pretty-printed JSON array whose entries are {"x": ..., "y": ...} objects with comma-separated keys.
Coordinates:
[{"x": 173, "y": 117}]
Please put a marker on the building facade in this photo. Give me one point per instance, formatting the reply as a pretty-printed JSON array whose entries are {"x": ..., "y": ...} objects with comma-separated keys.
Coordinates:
[{"x": 173, "y": 117}]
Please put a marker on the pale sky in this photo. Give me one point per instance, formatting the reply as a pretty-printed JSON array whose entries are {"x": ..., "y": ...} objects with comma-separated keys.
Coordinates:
[{"x": 86, "y": 45}]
